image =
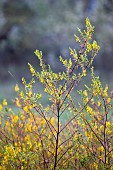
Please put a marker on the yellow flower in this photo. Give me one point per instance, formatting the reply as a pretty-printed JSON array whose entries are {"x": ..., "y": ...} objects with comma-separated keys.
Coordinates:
[
  {"x": 27, "y": 138},
  {"x": 15, "y": 144},
  {"x": 89, "y": 47},
  {"x": 47, "y": 108},
  {"x": 87, "y": 22},
  {"x": 29, "y": 127},
  {"x": 17, "y": 102},
  {"x": 84, "y": 73},
  {"x": 30, "y": 93},
  {"x": 89, "y": 110},
  {"x": 0, "y": 107},
  {"x": 108, "y": 124},
  {"x": 26, "y": 109},
  {"x": 77, "y": 39},
  {"x": 16, "y": 88},
  {"x": 21, "y": 94},
  {"x": 5, "y": 102},
  {"x": 101, "y": 148},
  {"x": 85, "y": 93},
  {"x": 99, "y": 103},
  {"x": 15, "y": 119},
  {"x": 95, "y": 45},
  {"x": 71, "y": 51},
  {"x": 23, "y": 117},
  {"x": 108, "y": 100},
  {"x": 32, "y": 70}
]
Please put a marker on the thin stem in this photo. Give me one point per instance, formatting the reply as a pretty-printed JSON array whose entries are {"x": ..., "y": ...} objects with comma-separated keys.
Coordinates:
[
  {"x": 99, "y": 139},
  {"x": 57, "y": 137},
  {"x": 105, "y": 137},
  {"x": 68, "y": 139},
  {"x": 75, "y": 115},
  {"x": 48, "y": 122},
  {"x": 64, "y": 153}
]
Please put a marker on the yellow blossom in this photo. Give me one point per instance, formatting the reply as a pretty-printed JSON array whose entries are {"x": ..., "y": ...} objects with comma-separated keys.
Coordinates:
[
  {"x": 23, "y": 117},
  {"x": 101, "y": 148},
  {"x": 87, "y": 22},
  {"x": 108, "y": 100},
  {"x": 95, "y": 45},
  {"x": 7, "y": 123},
  {"x": 71, "y": 51},
  {"x": 99, "y": 103},
  {"x": 17, "y": 102},
  {"x": 32, "y": 70},
  {"x": 30, "y": 93},
  {"x": 16, "y": 144},
  {"x": 107, "y": 124},
  {"x": 26, "y": 108},
  {"x": 77, "y": 38},
  {"x": 29, "y": 127},
  {"x": 21, "y": 94},
  {"x": 5, "y": 102},
  {"x": 89, "y": 109},
  {"x": 0, "y": 107},
  {"x": 15, "y": 119},
  {"x": 84, "y": 73},
  {"x": 27, "y": 138},
  {"x": 47, "y": 108},
  {"x": 85, "y": 93},
  {"x": 89, "y": 48},
  {"x": 16, "y": 88}
]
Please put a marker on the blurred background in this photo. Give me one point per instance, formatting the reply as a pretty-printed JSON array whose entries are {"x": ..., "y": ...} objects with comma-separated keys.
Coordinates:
[{"x": 49, "y": 25}]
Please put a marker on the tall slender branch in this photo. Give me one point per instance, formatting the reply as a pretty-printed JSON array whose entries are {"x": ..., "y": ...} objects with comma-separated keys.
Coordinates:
[{"x": 57, "y": 138}]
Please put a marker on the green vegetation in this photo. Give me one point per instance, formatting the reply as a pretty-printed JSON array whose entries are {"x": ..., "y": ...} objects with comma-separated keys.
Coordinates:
[{"x": 63, "y": 134}]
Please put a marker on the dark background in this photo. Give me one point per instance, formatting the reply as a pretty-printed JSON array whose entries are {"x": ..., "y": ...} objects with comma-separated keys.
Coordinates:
[{"x": 49, "y": 25}]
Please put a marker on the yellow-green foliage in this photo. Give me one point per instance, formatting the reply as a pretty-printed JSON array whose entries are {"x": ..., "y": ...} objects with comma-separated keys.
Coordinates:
[{"x": 37, "y": 137}]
